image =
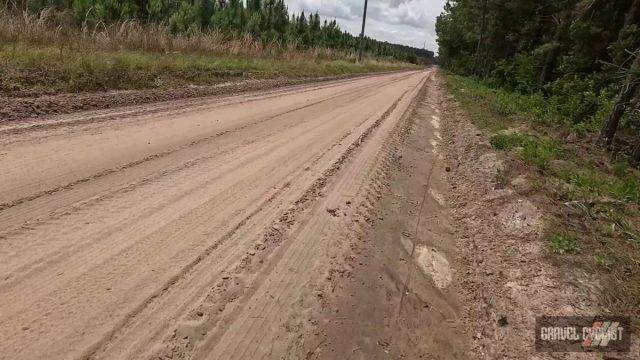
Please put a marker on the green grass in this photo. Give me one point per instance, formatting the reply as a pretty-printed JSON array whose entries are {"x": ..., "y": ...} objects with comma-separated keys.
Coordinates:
[
  {"x": 42, "y": 69},
  {"x": 532, "y": 149},
  {"x": 503, "y": 103},
  {"x": 563, "y": 244},
  {"x": 595, "y": 184}
]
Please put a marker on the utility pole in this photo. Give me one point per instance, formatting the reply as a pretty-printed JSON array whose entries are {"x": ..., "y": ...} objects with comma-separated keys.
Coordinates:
[{"x": 364, "y": 19}]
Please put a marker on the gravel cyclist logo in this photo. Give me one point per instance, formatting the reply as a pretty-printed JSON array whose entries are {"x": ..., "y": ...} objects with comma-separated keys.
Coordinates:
[
  {"x": 601, "y": 333},
  {"x": 583, "y": 334}
]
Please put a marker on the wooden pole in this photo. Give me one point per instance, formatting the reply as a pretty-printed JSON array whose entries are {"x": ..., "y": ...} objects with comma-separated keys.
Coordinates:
[{"x": 364, "y": 19}]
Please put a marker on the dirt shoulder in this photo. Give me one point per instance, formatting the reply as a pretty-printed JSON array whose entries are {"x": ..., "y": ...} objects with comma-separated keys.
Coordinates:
[
  {"x": 507, "y": 274},
  {"x": 396, "y": 296},
  {"x": 505, "y": 278}
]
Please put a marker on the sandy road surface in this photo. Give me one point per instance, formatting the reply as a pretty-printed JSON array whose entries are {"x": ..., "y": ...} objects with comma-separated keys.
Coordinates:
[{"x": 186, "y": 230}]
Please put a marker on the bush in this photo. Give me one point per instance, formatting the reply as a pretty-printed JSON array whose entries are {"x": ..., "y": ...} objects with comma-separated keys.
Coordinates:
[
  {"x": 104, "y": 10},
  {"x": 185, "y": 19},
  {"x": 572, "y": 99}
]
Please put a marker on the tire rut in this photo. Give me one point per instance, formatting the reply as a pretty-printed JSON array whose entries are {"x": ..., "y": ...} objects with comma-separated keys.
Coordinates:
[{"x": 8, "y": 205}]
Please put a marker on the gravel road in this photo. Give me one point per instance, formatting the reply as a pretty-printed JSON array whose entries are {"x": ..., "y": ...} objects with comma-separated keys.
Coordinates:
[{"x": 187, "y": 229}]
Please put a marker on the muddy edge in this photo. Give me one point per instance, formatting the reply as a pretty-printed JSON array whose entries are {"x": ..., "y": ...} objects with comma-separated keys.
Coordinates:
[
  {"x": 395, "y": 296},
  {"x": 36, "y": 107}
]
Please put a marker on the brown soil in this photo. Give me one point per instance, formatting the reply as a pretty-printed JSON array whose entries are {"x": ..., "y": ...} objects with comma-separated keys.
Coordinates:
[
  {"x": 396, "y": 296},
  {"x": 14, "y": 108}
]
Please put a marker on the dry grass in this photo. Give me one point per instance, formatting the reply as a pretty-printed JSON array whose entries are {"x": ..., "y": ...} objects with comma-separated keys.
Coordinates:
[
  {"x": 48, "y": 53},
  {"x": 57, "y": 28}
]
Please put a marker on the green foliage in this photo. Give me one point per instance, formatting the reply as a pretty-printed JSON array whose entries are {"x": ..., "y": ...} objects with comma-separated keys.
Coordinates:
[
  {"x": 592, "y": 183},
  {"x": 521, "y": 74},
  {"x": 105, "y": 10},
  {"x": 563, "y": 244},
  {"x": 39, "y": 5},
  {"x": 532, "y": 150},
  {"x": 187, "y": 17},
  {"x": 573, "y": 99},
  {"x": 571, "y": 53}
]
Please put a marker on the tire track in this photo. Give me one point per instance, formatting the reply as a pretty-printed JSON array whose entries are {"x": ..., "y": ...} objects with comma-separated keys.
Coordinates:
[
  {"x": 285, "y": 221},
  {"x": 299, "y": 260},
  {"x": 7, "y": 205},
  {"x": 174, "y": 108}
]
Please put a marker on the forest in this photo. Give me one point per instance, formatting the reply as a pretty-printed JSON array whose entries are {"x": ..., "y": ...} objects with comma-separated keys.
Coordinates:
[
  {"x": 581, "y": 57},
  {"x": 266, "y": 20}
]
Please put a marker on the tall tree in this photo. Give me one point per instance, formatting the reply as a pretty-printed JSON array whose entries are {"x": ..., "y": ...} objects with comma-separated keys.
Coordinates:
[
  {"x": 481, "y": 31},
  {"x": 553, "y": 52},
  {"x": 628, "y": 90}
]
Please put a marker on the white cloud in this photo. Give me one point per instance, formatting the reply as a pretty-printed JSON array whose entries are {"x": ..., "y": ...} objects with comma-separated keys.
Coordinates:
[{"x": 408, "y": 22}]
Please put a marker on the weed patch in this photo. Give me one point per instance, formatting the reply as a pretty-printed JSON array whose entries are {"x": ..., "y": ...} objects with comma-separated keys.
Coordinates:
[
  {"x": 532, "y": 150},
  {"x": 563, "y": 244}
]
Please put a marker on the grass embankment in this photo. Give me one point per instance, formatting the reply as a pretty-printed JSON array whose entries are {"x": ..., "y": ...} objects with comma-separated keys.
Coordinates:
[
  {"x": 590, "y": 198},
  {"x": 47, "y": 54}
]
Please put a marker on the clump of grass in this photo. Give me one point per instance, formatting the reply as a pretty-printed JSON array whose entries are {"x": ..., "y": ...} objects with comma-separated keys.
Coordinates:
[
  {"x": 603, "y": 261},
  {"x": 540, "y": 153},
  {"x": 501, "y": 178},
  {"x": 592, "y": 184},
  {"x": 620, "y": 169},
  {"x": 619, "y": 223},
  {"x": 506, "y": 142},
  {"x": 563, "y": 244},
  {"x": 534, "y": 150}
]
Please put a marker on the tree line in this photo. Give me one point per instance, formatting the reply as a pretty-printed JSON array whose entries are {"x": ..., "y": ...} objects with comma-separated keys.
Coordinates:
[
  {"x": 582, "y": 54},
  {"x": 267, "y": 20}
]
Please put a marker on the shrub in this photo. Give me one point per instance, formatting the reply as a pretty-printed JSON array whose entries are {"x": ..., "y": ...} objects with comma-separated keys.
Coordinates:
[
  {"x": 573, "y": 100},
  {"x": 186, "y": 18}
]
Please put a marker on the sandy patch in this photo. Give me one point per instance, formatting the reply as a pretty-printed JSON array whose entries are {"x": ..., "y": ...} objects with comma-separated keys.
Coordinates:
[
  {"x": 521, "y": 217},
  {"x": 434, "y": 265}
]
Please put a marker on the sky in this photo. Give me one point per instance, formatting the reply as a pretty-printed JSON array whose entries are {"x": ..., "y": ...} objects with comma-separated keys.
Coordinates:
[{"x": 407, "y": 22}]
